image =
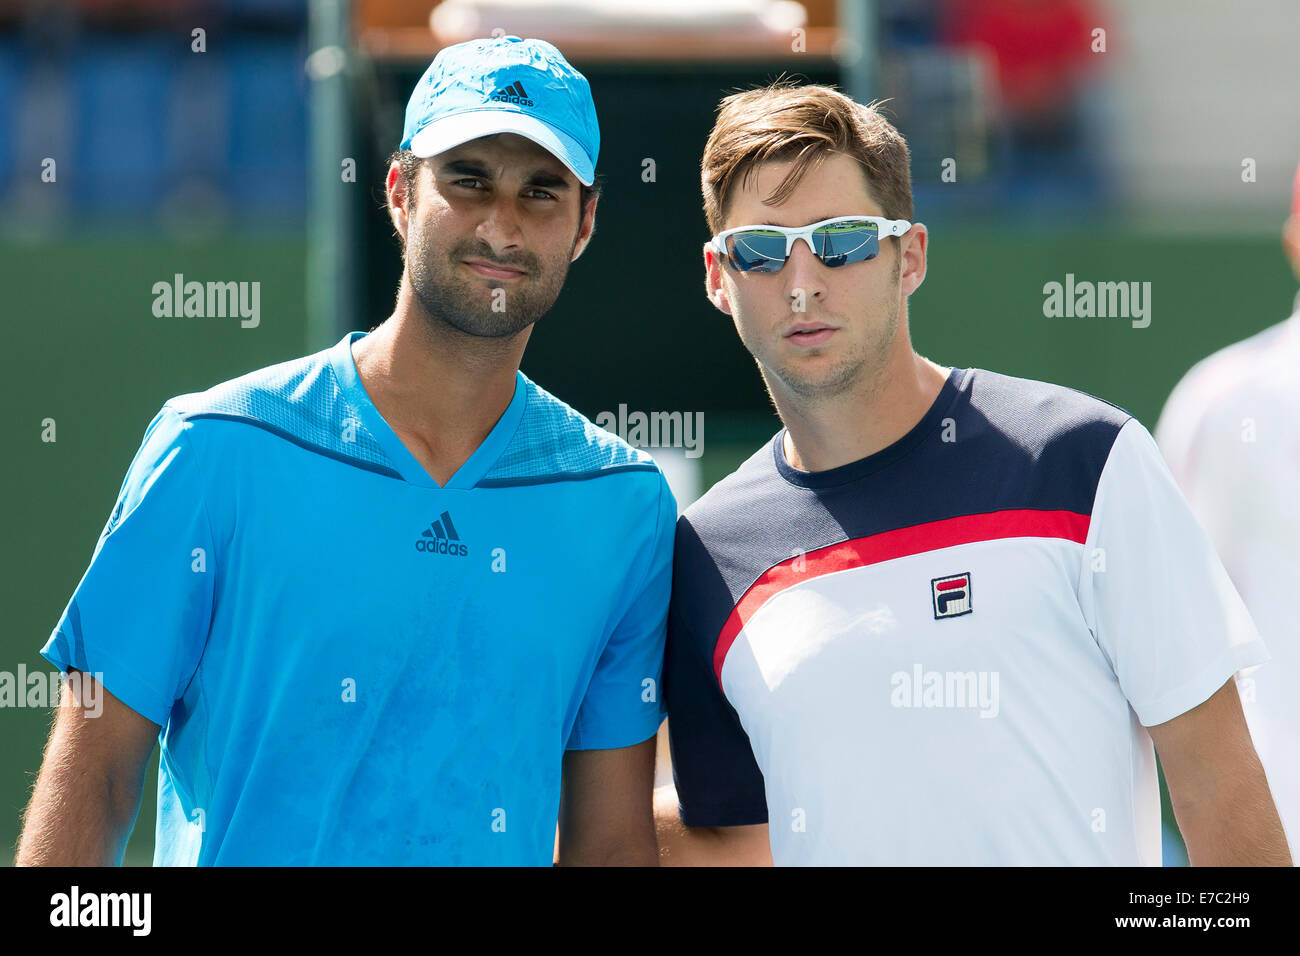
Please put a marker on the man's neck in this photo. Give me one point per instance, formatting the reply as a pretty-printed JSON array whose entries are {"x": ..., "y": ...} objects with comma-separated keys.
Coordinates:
[
  {"x": 864, "y": 420},
  {"x": 440, "y": 390}
]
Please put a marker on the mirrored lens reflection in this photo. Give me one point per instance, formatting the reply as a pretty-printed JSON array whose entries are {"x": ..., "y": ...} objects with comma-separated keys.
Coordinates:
[
  {"x": 847, "y": 242},
  {"x": 758, "y": 250},
  {"x": 763, "y": 250}
]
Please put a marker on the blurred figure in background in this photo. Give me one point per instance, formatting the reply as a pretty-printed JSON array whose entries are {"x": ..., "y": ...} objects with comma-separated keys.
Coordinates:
[
  {"x": 1041, "y": 55},
  {"x": 1231, "y": 435}
]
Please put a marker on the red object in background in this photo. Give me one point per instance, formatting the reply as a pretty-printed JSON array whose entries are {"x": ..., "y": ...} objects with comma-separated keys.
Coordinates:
[{"x": 1040, "y": 47}]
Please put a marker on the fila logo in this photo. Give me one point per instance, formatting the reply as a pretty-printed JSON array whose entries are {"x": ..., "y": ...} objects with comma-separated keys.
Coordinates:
[
  {"x": 441, "y": 538},
  {"x": 951, "y": 595},
  {"x": 514, "y": 93}
]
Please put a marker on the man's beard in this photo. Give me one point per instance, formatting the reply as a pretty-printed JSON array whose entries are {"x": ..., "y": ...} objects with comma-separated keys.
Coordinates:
[
  {"x": 453, "y": 298},
  {"x": 861, "y": 369}
]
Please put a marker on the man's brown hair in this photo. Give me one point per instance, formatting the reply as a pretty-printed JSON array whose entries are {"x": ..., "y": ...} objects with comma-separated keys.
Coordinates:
[{"x": 786, "y": 121}]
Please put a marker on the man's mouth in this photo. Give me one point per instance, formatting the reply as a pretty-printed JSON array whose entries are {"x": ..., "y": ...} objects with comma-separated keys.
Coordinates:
[
  {"x": 494, "y": 270},
  {"x": 810, "y": 333}
]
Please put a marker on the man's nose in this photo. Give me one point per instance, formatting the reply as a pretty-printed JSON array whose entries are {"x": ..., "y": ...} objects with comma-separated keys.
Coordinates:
[
  {"x": 805, "y": 274},
  {"x": 500, "y": 228}
]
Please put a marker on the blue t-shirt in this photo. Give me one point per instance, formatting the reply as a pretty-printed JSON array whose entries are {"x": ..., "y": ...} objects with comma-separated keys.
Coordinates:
[{"x": 350, "y": 664}]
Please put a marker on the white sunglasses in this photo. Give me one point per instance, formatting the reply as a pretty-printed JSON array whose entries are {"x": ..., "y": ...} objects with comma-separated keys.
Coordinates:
[{"x": 836, "y": 242}]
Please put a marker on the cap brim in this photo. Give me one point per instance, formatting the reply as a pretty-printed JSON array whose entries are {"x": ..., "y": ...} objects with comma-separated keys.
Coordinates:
[{"x": 450, "y": 132}]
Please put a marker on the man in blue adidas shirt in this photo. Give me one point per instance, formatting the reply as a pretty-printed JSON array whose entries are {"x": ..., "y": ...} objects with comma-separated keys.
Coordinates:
[{"x": 391, "y": 603}]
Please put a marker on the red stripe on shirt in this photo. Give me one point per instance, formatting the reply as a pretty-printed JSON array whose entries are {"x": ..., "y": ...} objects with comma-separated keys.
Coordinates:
[{"x": 888, "y": 545}]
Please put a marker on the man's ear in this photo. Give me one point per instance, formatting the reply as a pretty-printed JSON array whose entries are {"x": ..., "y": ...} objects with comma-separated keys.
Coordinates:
[
  {"x": 398, "y": 200},
  {"x": 713, "y": 286},
  {"x": 911, "y": 250},
  {"x": 586, "y": 230}
]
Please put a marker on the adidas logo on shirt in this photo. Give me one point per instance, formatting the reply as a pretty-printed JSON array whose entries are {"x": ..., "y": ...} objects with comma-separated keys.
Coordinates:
[
  {"x": 441, "y": 538},
  {"x": 514, "y": 93}
]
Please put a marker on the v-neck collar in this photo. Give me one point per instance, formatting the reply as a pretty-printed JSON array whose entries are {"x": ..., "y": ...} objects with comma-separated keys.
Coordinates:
[{"x": 475, "y": 467}]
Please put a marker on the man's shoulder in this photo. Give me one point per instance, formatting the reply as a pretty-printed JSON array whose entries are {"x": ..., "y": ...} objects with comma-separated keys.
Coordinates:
[
  {"x": 1226, "y": 392},
  {"x": 1033, "y": 411},
  {"x": 1034, "y": 434},
  {"x": 556, "y": 442},
  {"x": 300, "y": 400},
  {"x": 738, "y": 491},
  {"x": 1024, "y": 444},
  {"x": 265, "y": 392},
  {"x": 1240, "y": 370}
]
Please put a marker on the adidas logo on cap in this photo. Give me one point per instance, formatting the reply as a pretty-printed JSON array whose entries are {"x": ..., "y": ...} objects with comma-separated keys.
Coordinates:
[
  {"x": 441, "y": 538},
  {"x": 514, "y": 93}
]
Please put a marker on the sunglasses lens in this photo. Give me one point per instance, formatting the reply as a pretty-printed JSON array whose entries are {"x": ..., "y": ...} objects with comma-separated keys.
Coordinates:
[
  {"x": 757, "y": 250},
  {"x": 847, "y": 242},
  {"x": 763, "y": 250}
]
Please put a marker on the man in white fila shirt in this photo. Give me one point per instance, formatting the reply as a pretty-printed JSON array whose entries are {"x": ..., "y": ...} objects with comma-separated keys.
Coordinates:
[
  {"x": 1231, "y": 434},
  {"x": 942, "y": 616}
]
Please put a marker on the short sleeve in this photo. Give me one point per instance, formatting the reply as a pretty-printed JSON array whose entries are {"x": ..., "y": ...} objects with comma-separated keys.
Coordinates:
[
  {"x": 139, "y": 618},
  {"x": 718, "y": 780},
  {"x": 1153, "y": 590},
  {"x": 622, "y": 705}
]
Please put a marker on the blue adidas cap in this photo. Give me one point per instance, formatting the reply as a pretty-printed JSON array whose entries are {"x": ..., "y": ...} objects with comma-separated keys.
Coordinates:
[{"x": 504, "y": 85}]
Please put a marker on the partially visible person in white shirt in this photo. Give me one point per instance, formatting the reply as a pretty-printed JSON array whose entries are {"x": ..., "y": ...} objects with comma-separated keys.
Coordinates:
[{"x": 1231, "y": 435}]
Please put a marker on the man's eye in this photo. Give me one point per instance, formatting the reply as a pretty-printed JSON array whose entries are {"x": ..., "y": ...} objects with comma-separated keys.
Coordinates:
[
  {"x": 540, "y": 194},
  {"x": 474, "y": 183}
]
